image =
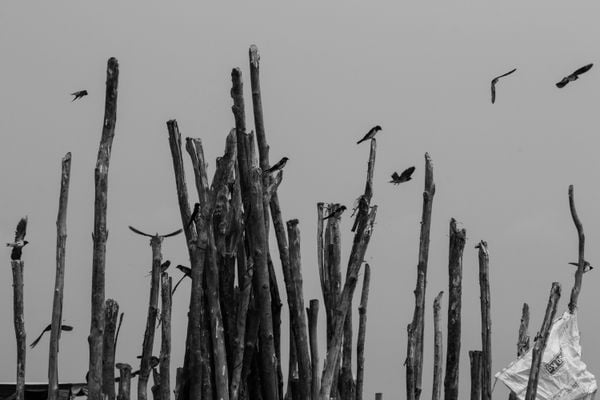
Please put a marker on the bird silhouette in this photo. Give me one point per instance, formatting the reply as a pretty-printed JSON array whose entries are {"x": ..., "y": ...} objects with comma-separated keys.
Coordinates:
[
  {"x": 79, "y": 94},
  {"x": 495, "y": 80},
  {"x": 177, "y": 232},
  {"x": 187, "y": 272},
  {"x": 574, "y": 76},
  {"x": 65, "y": 328},
  {"x": 163, "y": 267},
  {"x": 586, "y": 266},
  {"x": 370, "y": 134},
  {"x": 405, "y": 176},
  {"x": 336, "y": 213},
  {"x": 194, "y": 215},
  {"x": 277, "y": 167},
  {"x": 20, "y": 242}
]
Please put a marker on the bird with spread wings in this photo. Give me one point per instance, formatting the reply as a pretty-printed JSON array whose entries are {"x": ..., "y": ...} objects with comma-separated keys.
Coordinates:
[
  {"x": 495, "y": 80},
  {"x": 20, "y": 242}
]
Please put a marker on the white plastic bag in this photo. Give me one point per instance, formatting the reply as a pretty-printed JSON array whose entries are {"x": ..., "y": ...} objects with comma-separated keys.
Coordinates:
[{"x": 563, "y": 376}]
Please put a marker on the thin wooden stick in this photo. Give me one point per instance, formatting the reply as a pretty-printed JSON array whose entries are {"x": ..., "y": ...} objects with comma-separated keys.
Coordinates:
[
  {"x": 457, "y": 244},
  {"x": 581, "y": 261},
  {"x": 362, "y": 330},
  {"x": 165, "y": 350},
  {"x": 476, "y": 358},
  {"x": 540, "y": 342},
  {"x": 111, "y": 313},
  {"x": 523, "y": 341},
  {"x": 438, "y": 351},
  {"x": 100, "y": 232},
  {"x": 486, "y": 322},
  {"x": 59, "y": 282},
  {"x": 313, "y": 317}
]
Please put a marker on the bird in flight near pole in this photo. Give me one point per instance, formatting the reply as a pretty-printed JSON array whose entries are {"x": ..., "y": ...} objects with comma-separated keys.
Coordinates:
[
  {"x": 495, "y": 80},
  {"x": 336, "y": 213},
  {"x": 65, "y": 328},
  {"x": 177, "y": 232},
  {"x": 370, "y": 134},
  {"x": 79, "y": 94},
  {"x": 574, "y": 76},
  {"x": 586, "y": 266},
  {"x": 187, "y": 272},
  {"x": 20, "y": 242},
  {"x": 277, "y": 167},
  {"x": 405, "y": 176}
]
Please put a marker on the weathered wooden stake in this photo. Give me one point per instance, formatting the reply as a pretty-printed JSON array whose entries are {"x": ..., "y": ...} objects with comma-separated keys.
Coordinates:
[
  {"x": 313, "y": 317},
  {"x": 581, "y": 260},
  {"x": 362, "y": 330},
  {"x": 111, "y": 313},
  {"x": 59, "y": 283},
  {"x": 124, "y": 381},
  {"x": 523, "y": 341},
  {"x": 165, "y": 350},
  {"x": 476, "y": 358},
  {"x": 540, "y": 341},
  {"x": 100, "y": 234},
  {"x": 18, "y": 311},
  {"x": 486, "y": 322},
  {"x": 438, "y": 351}
]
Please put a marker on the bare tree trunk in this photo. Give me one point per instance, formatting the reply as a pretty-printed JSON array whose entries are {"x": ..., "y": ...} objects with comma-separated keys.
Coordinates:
[
  {"x": 19, "y": 321},
  {"x": 59, "y": 283},
  {"x": 313, "y": 317},
  {"x": 540, "y": 342},
  {"x": 523, "y": 342},
  {"x": 438, "y": 351},
  {"x": 100, "y": 232},
  {"x": 476, "y": 358},
  {"x": 457, "y": 244},
  {"x": 346, "y": 381},
  {"x": 124, "y": 381},
  {"x": 165, "y": 350},
  {"x": 111, "y": 313},
  {"x": 581, "y": 260},
  {"x": 362, "y": 330},
  {"x": 486, "y": 322},
  {"x": 418, "y": 321}
]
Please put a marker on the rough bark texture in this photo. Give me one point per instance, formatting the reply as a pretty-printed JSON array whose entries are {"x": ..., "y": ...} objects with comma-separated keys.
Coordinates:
[
  {"x": 418, "y": 321},
  {"x": 111, "y": 313},
  {"x": 165, "y": 349},
  {"x": 540, "y": 342},
  {"x": 438, "y": 351},
  {"x": 486, "y": 322},
  {"x": 411, "y": 347},
  {"x": 346, "y": 381},
  {"x": 581, "y": 249},
  {"x": 59, "y": 283},
  {"x": 100, "y": 234},
  {"x": 313, "y": 317},
  {"x": 124, "y": 381},
  {"x": 523, "y": 340},
  {"x": 457, "y": 244},
  {"x": 19, "y": 322},
  {"x": 476, "y": 359},
  {"x": 362, "y": 330}
]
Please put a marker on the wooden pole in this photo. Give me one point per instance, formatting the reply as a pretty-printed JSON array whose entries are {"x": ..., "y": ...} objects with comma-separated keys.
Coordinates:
[
  {"x": 362, "y": 330},
  {"x": 523, "y": 341},
  {"x": 165, "y": 350},
  {"x": 476, "y": 358},
  {"x": 486, "y": 321},
  {"x": 346, "y": 382},
  {"x": 457, "y": 244},
  {"x": 111, "y": 313},
  {"x": 418, "y": 321},
  {"x": 100, "y": 234},
  {"x": 540, "y": 341},
  {"x": 313, "y": 317},
  {"x": 438, "y": 351},
  {"x": 59, "y": 282},
  {"x": 124, "y": 381},
  {"x": 581, "y": 260},
  {"x": 19, "y": 322}
]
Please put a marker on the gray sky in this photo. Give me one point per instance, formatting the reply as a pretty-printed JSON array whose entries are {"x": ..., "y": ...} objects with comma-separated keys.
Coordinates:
[{"x": 330, "y": 71}]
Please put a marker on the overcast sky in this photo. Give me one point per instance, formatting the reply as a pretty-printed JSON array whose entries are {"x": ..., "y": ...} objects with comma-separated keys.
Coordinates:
[{"x": 330, "y": 71}]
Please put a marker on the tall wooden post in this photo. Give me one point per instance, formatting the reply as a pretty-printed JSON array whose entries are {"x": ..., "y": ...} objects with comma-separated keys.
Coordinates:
[
  {"x": 362, "y": 330},
  {"x": 18, "y": 309},
  {"x": 486, "y": 322},
  {"x": 165, "y": 350},
  {"x": 111, "y": 313},
  {"x": 313, "y": 317},
  {"x": 476, "y": 359}
]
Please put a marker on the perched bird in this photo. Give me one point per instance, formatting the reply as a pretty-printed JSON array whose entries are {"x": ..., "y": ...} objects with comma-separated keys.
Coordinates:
[
  {"x": 187, "y": 272},
  {"x": 370, "y": 134},
  {"x": 586, "y": 266},
  {"x": 336, "y": 213},
  {"x": 194, "y": 215},
  {"x": 574, "y": 76},
  {"x": 79, "y": 94},
  {"x": 495, "y": 80},
  {"x": 163, "y": 267},
  {"x": 65, "y": 328},
  {"x": 405, "y": 176},
  {"x": 154, "y": 361},
  {"x": 277, "y": 167},
  {"x": 20, "y": 242}
]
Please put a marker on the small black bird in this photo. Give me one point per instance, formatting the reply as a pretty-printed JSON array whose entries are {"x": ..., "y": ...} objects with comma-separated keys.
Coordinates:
[
  {"x": 187, "y": 272},
  {"x": 194, "y": 215},
  {"x": 495, "y": 80},
  {"x": 79, "y": 94},
  {"x": 586, "y": 266},
  {"x": 574, "y": 76},
  {"x": 336, "y": 213},
  {"x": 370, "y": 134},
  {"x": 177, "y": 232},
  {"x": 405, "y": 176},
  {"x": 65, "y": 328},
  {"x": 20, "y": 242},
  {"x": 277, "y": 167},
  {"x": 163, "y": 267}
]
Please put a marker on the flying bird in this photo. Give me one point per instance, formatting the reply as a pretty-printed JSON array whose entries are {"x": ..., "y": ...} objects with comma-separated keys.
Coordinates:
[
  {"x": 177, "y": 232},
  {"x": 574, "y": 76},
  {"x": 336, "y": 213},
  {"x": 20, "y": 242},
  {"x": 277, "y": 167},
  {"x": 405, "y": 176},
  {"x": 370, "y": 134},
  {"x": 194, "y": 215},
  {"x": 187, "y": 272},
  {"x": 495, "y": 80},
  {"x": 586, "y": 266},
  {"x": 65, "y": 328},
  {"x": 79, "y": 94}
]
